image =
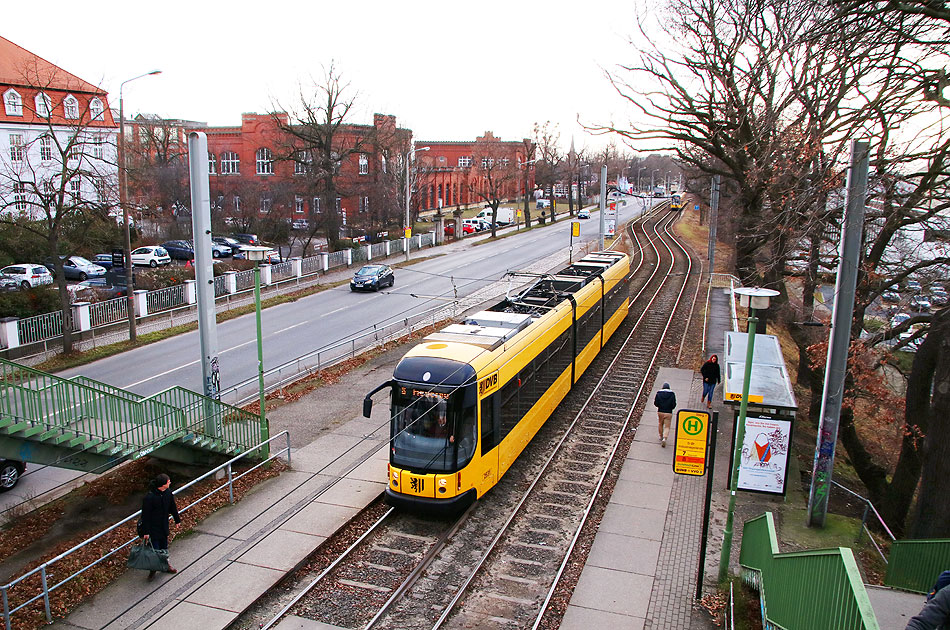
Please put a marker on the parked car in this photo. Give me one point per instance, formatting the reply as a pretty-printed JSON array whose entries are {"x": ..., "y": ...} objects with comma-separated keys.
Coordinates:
[
  {"x": 220, "y": 250},
  {"x": 467, "y": 228},
  {"x": 179, "y": 250},
  {"x": 300, "y": 224},
  {"x": 892, "y": 297},
  {"x": 151, "y": 255},
  {"x": 477, "y": 224},
  {"x": 939, "y": 297},
  {"x": 8, "y": 283},
  {"x": 103, "y": 260},
  {"x": 95, "y": 290},
  {"x": 920, "y": 303},
  {"x": 583, "y": 214},
  {"x": 28, "y": 275},
  {"x": 912, "y": 285},
  {"x": 372, "y": 278},
  {"x": 10, "y": 472},
  {"x": 229, "y": 242},
  {"x": 77, "y": 268},
  {"x": 247, "y": 239}
]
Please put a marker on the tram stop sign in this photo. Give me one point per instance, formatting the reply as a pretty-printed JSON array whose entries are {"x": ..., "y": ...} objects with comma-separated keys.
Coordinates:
[{"x": 690, "y": 445}]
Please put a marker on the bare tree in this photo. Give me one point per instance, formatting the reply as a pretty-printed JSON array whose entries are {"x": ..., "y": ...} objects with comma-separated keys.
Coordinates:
[
  {"x": 319, "y": 143},
  {"x": 158, "y": 170},
  {"x": 493, "y": 171},
  {"x": 549, "y": 158}
]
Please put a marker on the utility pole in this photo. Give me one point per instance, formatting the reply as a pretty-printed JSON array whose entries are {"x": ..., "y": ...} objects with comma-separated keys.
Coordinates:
[
  {"x": 840, "y": 337},
  {"x": 603, "y": 204},
  {"x": 713, "y": 221}
]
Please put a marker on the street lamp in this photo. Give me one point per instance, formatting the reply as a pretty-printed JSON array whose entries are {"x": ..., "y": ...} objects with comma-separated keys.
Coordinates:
[
  {"x": 257, "y": 253},
  {"x": 666, "y": 189},
  {"x": 641, "y": 169},
  {"x": 754, "y": 298},
  {"x": 653, "y": 180},
  {"x": 408, "y": 192},
  {"x": 123, "y": 201}
]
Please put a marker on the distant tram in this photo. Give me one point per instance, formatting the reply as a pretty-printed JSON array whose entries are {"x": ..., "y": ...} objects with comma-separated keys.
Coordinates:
[
  {"x": 467, "y": 400},
  {"x": 676, "y": 202}
]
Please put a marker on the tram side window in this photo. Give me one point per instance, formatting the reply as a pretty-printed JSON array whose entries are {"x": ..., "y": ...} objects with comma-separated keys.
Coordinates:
[
  {"x": 489, "y": 436},
  {"x": 509, "y": 407},
  {"x": 528, "y": 394},
  {"x": 614, "y": 299}
]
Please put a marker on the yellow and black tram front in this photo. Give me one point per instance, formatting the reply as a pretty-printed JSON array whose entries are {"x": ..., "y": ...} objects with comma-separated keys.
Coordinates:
[{"x": 433, "y": 434}]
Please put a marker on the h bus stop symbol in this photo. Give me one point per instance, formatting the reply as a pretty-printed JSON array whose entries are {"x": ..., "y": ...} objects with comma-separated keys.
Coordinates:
[{"x": 689, "y": 448}]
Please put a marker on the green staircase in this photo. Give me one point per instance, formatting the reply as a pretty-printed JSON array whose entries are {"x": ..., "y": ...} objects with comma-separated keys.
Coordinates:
[{"x": 86, "y": 425}]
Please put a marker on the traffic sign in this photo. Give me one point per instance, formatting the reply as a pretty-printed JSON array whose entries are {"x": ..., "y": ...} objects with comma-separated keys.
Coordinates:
[
  {"x": 689, "y": 447},
  {"x": 575, "y": 228},
  {"x": 408, "y": 232}
]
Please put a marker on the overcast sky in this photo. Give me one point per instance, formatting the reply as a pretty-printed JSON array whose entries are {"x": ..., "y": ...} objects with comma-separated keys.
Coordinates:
[{"x": 446, "y": 70}]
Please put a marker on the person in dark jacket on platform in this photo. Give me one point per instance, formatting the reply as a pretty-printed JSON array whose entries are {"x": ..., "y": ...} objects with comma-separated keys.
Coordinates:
[
  {"x": 711, "y": 376},
  {"x": 935, "y": 614},
  {"x": 665, "y": 403},
  {"x": 157, "y": 506}
]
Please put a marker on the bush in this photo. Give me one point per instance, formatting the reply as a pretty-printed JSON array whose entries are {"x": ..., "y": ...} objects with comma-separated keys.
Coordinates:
[{"x": 29, "y": 302}]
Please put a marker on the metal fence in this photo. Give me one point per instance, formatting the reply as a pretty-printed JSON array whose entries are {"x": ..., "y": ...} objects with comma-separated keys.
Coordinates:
[
  {"x": 220, "y": 286},
  {"x": 311, "y": 264},
  {"x": 378, "y": 250},
  {"x": 108, "y": 312},
  {"x": 282, "y": 271},
  {"x": 336, "y": 259},
  {"x": 915, "y": 564},
  {"x": 827, "y": 579},
  {"x": 165, "y": 299},
  {"x": 40, "y": 327},
  {"x": 15, "y": 600},
  {"x": 244, "y": 280}
]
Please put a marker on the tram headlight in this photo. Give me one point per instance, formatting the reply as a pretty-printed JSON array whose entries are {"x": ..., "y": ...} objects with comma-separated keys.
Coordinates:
[
  {"x": 442, "y": 484},
  {"x": 395, "y": 478}
]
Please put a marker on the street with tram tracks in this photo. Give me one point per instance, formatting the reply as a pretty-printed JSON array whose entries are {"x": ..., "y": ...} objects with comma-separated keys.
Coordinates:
[{"x": 508, "y": 559}]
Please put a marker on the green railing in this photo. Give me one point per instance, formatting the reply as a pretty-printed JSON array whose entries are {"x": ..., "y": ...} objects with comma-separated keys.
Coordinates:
[
  {"x": 913, "y": 565},
  {"x": 805, "y": 590},
  {"x": 81, "y": 412}
]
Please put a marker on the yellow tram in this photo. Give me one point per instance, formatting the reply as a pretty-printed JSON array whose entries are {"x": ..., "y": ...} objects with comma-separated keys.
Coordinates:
[
  {"x": 676, "y": 201},
  {"x": 467, "y": 400}
]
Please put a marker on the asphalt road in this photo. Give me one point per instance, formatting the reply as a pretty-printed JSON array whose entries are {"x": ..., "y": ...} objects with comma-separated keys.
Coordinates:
[{"x": 294, "y": 329}]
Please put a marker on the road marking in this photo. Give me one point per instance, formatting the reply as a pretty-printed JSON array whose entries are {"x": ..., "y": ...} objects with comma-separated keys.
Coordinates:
[{"x": 277, "y": 332}]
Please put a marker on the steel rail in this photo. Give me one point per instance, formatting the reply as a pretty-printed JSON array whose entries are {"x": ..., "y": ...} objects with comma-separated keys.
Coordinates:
[{"x": 568, "y": 432}]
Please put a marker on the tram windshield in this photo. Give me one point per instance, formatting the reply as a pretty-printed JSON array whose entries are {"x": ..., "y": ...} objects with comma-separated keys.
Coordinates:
[{"x": 431, "y": 430}]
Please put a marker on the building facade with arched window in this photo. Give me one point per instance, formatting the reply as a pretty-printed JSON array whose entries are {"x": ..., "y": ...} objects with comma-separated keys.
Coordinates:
[{"x": 49, "y": 115}]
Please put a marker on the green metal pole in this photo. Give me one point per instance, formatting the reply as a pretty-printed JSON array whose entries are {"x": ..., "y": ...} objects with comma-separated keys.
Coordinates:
[
  {"x": 740, "y": 436},
  {"x": 265, "y": 432}
]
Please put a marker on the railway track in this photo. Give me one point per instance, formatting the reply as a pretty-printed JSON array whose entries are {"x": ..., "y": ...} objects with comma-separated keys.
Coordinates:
[{"x": 500, "y": 562}]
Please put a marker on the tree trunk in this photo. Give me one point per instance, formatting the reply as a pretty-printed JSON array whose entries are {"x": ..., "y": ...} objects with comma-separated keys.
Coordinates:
[{"x": 928, "y": 398}]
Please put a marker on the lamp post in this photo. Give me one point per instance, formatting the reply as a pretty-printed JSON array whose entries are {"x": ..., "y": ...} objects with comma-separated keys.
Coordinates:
[
  {"x": 123, "y": 201},
  {"x": 653, "y": 180},
  {"x": 257, "y": 253},
  {"x": 753, "y": 298},
  {"x": 666, "y": 189},
  {"x": 640, "y": 170},
  {"x": 408, "y": 192}
]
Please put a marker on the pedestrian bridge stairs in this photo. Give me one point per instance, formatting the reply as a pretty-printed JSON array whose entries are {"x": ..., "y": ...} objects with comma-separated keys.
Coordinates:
[{"x": 86, "y": 425}]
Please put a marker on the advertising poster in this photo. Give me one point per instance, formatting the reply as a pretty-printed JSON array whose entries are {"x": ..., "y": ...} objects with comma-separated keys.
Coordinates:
[{"x": 763, "y": 466}]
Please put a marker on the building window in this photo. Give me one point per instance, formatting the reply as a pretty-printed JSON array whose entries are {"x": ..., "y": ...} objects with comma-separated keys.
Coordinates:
[
  {"x": 364, "y": 204},
  {"x": 71, "y": 107},
  {"x": 13, "y": 103},
  {"x": 382, "y": 164},
  {"x": 364, "y": 164},
  {"x": 46, "y": 148},
  {"x": 265, "y": 204},
  {"x": 48, "y": 190},
  {"x": 19, "y": 195},
  {"x": 75, "y": 148},
  {"x": 298, "y": 205},
  {"x": 97, "y": 147},
  {"x": 302, "y": 163},
  {"x": 315, "y": 205},
  {"x": 265, "y": 162},
  {"x": 75, "y": 187},
  {"x": 339, "y": 203},
  {"x": 230, "y": 163},
  {"x": 465, "y": 161},
  {"x": 96, "y": 109},
  {"x": 237, "y": 203},
  {"x": 212, "y": 165},
  {"x": 43, "y": 105},
  {"x": 16, "y": 148},
  {"x": 503, "y": 162},
  {"x": 488, "y": 162}
]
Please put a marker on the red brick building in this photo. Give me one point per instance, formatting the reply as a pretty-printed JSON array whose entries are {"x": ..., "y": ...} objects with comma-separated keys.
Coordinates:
[{"x": 456, "y": 173}]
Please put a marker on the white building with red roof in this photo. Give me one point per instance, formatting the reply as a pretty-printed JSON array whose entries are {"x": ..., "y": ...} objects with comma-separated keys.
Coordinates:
[{"x": 57, "y": 137}]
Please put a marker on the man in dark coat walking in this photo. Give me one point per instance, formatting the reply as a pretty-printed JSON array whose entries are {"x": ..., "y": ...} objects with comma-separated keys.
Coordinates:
[
  {"x": 665, "y": 403},
  {"x": 157, "y": 506}
]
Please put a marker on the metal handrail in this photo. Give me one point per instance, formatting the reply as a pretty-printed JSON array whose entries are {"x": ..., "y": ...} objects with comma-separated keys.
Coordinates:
[
  {"x": 864, "y": 519},
  {"x": 42, "y": 569}
]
